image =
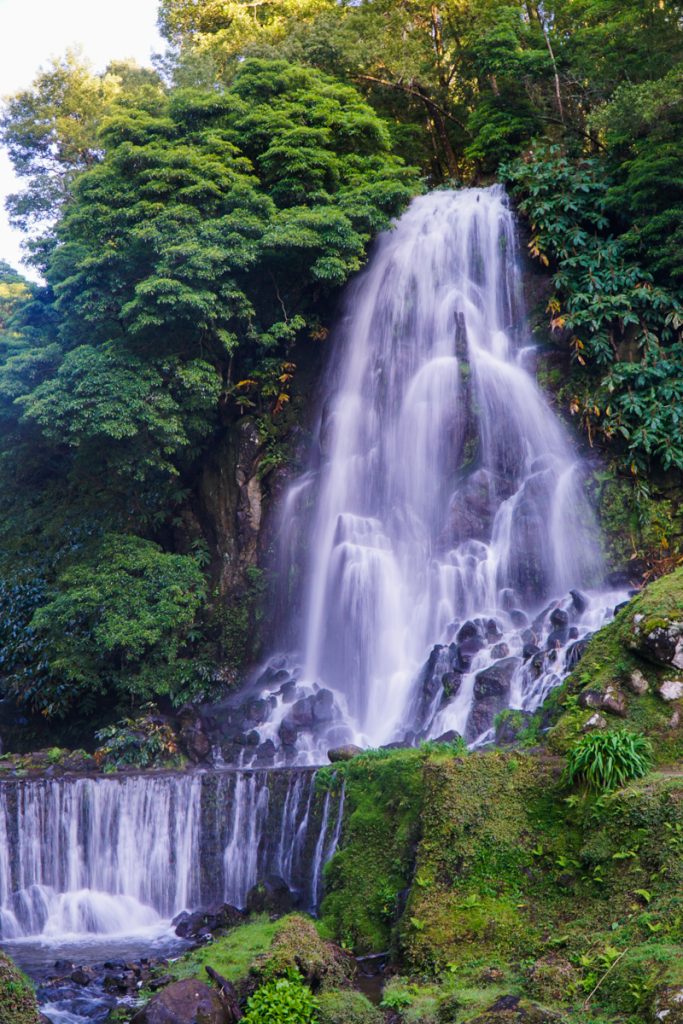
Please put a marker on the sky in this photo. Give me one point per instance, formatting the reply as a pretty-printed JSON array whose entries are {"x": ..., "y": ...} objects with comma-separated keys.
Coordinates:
[{"x": 34, "y": 31}]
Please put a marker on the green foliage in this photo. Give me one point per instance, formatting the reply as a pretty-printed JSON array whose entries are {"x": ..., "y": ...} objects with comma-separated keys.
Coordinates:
[
  {"x": 193, "y": 236},
  {"x": 116, "y": 620},
  {"x": 365, "y": 878},
  {"x": 618, "y": 323},
  {"x": 146, "y": 741},
  {"x": 282, "y": 1001},
  {"x": 603, "y": 761},
  {"x": 232, "y": 955}
]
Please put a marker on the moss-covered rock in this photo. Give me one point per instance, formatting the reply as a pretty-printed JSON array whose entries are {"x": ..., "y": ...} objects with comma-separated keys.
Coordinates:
[
  {"x": 513, "y": 1010},
  {"x": 368, "y": 877},
  {"x": 297, "y": 946},
  {"x": 622, "y": 673},
  {"x": 17, "y": 999},
  {"x": 550, "y": 978},
  {"x": 344, "y": 1006}
]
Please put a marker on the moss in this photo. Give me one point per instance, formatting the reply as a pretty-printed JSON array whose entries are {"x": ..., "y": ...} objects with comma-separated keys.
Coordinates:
[
  {"x": 609, "y": 660},
  {"x": 17, "y": 998},
  {"x": 518, "y": 888},
  {"x": 342, "y": 1006},
  {"x": 297, "y": 946},
  {"x": 373, "y": 867}
]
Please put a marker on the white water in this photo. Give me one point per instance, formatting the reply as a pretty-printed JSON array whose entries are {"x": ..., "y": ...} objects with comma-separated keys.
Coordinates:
[
  {"x": 447, "y": 490},
  {"x": 102, "y": 858}
]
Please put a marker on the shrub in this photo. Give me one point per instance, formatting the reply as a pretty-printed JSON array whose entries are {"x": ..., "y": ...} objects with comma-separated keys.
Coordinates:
[
  {"x": 140, "y": 742},
  {"x": 603, "y": 761},
  {"x": 282, "y": 1001}
]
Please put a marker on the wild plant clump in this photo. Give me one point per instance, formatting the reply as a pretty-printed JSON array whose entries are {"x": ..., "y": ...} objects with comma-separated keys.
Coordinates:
[
  {"x": 604, "y": 761},
  {"x": 282, "y": 1001}
]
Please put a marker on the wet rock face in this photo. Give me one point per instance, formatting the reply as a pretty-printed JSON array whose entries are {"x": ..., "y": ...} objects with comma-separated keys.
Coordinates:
[
  {"x": 272, "y": 895},
  {"x": 230, "y": 504},
  {"x": 491, "y": 695},
  {"x": 185, "y": 1002},
  {"x": 193, "y": 739}
]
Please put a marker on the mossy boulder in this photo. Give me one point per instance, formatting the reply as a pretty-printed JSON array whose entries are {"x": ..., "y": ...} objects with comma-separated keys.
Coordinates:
[
  {"x": 297, "y": 946},
  {"x": 344, "y": 1006},
  {"x": 17, "y": 999},
  {"x": 514, "y": 1010},
  {"x": 550, "y": 978},
  {"x": 629, "y": 672}
]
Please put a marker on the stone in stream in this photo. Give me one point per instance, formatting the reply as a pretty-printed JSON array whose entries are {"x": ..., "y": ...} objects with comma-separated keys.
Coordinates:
[
  {"x": 559, "y": 618},
  {"x": 200, "y": 922},
  {"x": 185, "y": 1002}
]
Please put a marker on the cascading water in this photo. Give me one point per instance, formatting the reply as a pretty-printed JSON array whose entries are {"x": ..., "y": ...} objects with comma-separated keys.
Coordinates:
[
  {"x": 105, "y": 856},
  {"x": 449, "y": 510}
]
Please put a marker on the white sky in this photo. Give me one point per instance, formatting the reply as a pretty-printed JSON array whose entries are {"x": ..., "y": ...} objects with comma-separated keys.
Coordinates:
[{"x": 34, "y": 31}]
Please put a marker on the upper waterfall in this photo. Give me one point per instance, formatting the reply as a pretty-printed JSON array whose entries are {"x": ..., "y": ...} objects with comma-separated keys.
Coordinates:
[{"x": 448, "y": 503}]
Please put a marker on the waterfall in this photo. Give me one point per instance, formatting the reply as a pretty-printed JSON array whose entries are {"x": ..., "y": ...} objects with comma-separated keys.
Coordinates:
[
  {"x": 122, "y": 856},
  {"x": 449, "y": 513}
]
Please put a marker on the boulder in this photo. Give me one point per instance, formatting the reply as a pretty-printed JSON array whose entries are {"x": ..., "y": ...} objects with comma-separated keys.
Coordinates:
[
  {"x": 501, "y": 650},
  {"x": 193, "y": 739},
  {"x": 660, "y": 643},
  {"x": 494, "y": 681},
  {"x": 288, "y": 731},
  {"x": 637, "y": 683},
  {"x": 185, "y": 1002},
  {"x": 448, "y": 737},
  {"x": 670, "y": 690},
  {"x": 323, "y": 706},
  {"x": 345, "y": 753},
  {"x": 515, "y": 1010},
  {"x": 491, "y": 692},
  {"x": 302, "y": 712},
  {"x": 579, "y": 601},
  {"x": 595, "y": 721},
  {"x": 511, "y": 724},
  {"x": 271, "y": 895},
  {"x": 201, "y": 922},
  {"x": 667, "y": 1005},
  {"x": 559, "y": 618},
  {"x": 614, "y": 702}
]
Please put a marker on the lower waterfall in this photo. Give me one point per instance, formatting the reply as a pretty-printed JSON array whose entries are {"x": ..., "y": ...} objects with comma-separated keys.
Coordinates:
[{"x": 108, "y": 856}]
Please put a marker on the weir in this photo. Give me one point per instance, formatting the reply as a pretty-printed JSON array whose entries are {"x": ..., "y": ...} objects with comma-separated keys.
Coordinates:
[{"x": 113, "y": 856}]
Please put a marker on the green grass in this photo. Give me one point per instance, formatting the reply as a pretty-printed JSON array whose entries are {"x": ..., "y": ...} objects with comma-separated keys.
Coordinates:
[{"x": 232, "y": 955}]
